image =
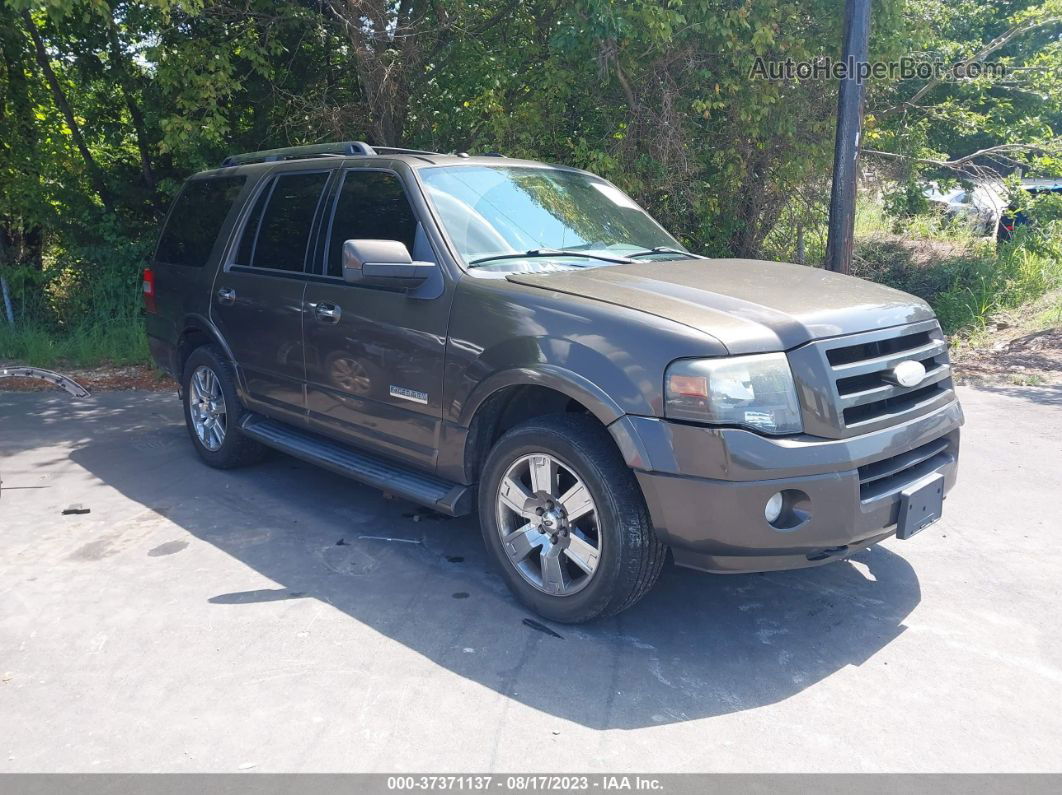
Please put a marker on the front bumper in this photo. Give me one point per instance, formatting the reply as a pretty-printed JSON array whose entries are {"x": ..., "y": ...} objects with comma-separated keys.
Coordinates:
[{"x": 706, "y": 487}]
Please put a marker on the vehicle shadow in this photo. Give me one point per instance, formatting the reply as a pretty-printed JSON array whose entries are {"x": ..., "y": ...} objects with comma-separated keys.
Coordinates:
[
  {"x": 1045, "y": 395},
  {"x": 697, "y": 646}
]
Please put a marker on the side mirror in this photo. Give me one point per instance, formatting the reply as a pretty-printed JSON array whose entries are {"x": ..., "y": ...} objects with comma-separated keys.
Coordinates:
[{"x": 383, "y": 263}]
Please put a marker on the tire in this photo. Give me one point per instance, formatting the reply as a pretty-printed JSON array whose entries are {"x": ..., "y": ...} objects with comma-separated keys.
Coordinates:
[
  {"x": 614, "y": 536},
  {"x": 220, "y": 446}
]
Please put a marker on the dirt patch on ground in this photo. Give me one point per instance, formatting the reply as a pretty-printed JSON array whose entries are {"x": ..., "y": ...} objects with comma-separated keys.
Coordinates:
[
  {"x": 1021, "y": 347},
  {"x": 1030, "y": 359},
  {"x": 99, "y": 379}
]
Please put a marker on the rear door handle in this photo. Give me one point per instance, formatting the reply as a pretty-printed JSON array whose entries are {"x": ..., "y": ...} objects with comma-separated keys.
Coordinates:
[
  {"x": 226, "y": 295},
  {"x": 327, "y": 313}
]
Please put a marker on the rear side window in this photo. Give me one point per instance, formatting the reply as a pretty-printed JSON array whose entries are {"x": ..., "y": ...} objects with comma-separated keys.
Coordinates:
[
  {"x": 196, "y": 219},
  {"x": 278, "y": 229},
  {"x": 371, "y": 205}
]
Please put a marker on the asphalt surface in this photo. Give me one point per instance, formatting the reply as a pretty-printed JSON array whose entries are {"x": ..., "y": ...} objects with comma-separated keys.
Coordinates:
[{"x": 281, "y": 618}]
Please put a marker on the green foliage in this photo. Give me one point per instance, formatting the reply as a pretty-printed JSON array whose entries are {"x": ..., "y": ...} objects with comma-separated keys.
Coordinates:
[
  {"x": 946, "y": 119},
  {"x": 906, "y": 200},
  {"x": 966, "y": 286},
  {"x": 122, "y": 99},
  {"x": 82, "y": 307},
  {"x": 116, "y": 343}
]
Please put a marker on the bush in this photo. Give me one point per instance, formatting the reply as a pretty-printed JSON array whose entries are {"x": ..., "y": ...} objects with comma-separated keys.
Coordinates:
[{"x": 82, "y": 308}]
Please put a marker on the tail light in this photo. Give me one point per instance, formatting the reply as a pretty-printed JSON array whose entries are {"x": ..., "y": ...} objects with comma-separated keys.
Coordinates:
[{"x": 149, "y": 292}]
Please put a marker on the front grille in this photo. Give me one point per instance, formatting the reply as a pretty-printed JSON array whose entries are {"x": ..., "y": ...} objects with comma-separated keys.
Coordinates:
[
  {"x": 891, "y": 475},
  {"x": 858, "y": 396},
  {"x": 898, "y": 403},
  {"x": 861, "y": 351}
]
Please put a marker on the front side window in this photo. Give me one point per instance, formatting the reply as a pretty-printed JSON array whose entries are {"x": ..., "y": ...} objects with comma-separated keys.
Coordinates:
[
  {"x": 371, "y": 206},
  {"x": 278, "y": 230},
  {"x": 494, "y": 214},
  {"x": 196, "y": 220}
]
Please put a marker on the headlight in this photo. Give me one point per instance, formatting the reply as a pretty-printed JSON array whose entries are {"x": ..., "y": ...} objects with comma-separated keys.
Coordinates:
[{"x": 754, "y": 391}]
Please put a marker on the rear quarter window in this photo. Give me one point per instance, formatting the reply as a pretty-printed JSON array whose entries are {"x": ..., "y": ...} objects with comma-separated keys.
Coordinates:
[{"x": 196, "y": 219}]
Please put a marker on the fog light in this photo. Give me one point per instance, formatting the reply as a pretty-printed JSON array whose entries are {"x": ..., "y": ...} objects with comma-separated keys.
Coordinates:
[{"x": 773, "y": 509}]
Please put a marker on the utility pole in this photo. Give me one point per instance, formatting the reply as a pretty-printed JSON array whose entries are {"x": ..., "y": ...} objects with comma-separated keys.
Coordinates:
[{"x": 849, "y": 133}]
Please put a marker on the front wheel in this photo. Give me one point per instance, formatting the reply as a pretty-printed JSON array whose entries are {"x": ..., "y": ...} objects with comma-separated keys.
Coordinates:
[{"x": 565, "y": 520}]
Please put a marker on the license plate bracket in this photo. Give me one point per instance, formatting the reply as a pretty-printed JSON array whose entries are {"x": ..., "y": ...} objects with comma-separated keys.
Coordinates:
[{"x": 921, "y": 504}]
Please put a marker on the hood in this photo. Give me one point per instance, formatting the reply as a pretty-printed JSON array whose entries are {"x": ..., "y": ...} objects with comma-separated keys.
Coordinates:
[{"x": 751, "y": 306}]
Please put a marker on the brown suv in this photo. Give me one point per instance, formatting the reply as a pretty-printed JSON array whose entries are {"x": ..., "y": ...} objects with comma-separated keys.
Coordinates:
[{"x": 523, "y": 339}]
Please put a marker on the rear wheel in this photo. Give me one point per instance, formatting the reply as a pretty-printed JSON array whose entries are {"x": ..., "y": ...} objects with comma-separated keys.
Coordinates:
[
  {"x": 212, "y": 411},
  {"x": 565, "y": 520}
]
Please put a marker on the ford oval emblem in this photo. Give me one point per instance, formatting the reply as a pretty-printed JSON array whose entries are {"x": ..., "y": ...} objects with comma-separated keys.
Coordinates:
[{"x": 908, "y": 373}]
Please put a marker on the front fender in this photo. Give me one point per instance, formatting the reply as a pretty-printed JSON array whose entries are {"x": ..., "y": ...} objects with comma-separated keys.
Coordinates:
[
  {"x": 598, "y": 400},
  {"x": 613, "y": 357},
  {"x": 608, "y": 358}
]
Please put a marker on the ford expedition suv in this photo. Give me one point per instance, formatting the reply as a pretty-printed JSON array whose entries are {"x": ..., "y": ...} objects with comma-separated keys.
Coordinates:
[{"x": 523, "y": 340}]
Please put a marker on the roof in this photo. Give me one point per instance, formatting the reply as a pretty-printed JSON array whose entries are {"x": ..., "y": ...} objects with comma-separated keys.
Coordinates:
[{"x": 361, "y": 151}]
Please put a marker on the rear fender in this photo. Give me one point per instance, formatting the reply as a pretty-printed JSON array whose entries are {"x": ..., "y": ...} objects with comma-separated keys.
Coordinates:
[{"x": 202, "y": 325}]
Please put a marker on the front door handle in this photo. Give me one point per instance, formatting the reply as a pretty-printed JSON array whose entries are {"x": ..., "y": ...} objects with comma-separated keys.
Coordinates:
[
  {"x": 327, "y": 313},
  {"x": 226, "y": 295}
]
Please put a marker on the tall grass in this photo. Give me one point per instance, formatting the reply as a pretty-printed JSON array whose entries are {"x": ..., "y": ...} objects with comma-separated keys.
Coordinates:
[
  {"x": 968, "y": 287},
  {"x": 114, "y": 342},
  {"x": 871, "y": 221},
  {"x": 1024, "y": 269},
  {"x": 83, "y": 308},
  {"x": 966, "y": 278},
  {"x": 1051, "y": 316}
]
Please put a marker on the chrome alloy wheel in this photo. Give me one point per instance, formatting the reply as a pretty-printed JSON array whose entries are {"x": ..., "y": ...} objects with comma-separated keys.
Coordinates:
[
  {"x": 548, "y": 525},
  {"x": 206, "y": 404}
]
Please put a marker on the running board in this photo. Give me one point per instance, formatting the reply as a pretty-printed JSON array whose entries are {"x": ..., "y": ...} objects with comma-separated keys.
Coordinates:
[{"x": 441, "y": 495}]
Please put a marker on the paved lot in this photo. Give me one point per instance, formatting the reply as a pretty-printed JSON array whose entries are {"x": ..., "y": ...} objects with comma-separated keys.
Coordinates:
[{"x": 256, "y": 620}]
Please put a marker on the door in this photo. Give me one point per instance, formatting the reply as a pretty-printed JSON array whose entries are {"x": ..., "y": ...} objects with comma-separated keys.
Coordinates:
[
  {"x": 258, "y": 297},
  {"x": 374, "y": 357}
]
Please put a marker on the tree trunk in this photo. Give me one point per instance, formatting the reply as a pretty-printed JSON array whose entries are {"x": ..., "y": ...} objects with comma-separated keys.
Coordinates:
[
  {"x": 121, "y": 70},
  {"x": 389, "y": 43},
  {"x": 61, "y": 101}
]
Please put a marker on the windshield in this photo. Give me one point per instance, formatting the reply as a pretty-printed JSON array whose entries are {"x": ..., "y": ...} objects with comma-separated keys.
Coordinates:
[{"x": 559, "y": 219}]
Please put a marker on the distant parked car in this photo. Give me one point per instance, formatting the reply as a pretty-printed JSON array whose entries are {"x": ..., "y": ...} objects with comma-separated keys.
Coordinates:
[
  {"x": 1012, "y": 217},
  {"x": 980, "y": 206}
]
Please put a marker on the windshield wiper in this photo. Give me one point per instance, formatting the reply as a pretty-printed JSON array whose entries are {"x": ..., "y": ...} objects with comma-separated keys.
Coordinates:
[
  {"x": 664, "y": 250},
  {"x": 548, "y": 252}
]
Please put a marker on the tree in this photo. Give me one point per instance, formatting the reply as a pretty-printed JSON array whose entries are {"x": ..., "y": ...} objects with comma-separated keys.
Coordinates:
[
  {"x": 953, "y": 125},
  {"x": 106, "y": 105}
]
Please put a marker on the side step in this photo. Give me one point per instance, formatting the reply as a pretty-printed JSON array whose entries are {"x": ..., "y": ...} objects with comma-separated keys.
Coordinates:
[{"x": 441, "y": 495}]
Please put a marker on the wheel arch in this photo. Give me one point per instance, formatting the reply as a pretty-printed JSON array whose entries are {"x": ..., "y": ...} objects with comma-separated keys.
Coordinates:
[
  {"x": 506, "y": 399},
  {"x": 196, "y": 332}
]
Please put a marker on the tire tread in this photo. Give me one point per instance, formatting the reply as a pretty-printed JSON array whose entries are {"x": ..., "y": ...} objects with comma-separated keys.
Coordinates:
[
  {"x": 643, "y": 555},
  {"x": 237, "y": 450}
]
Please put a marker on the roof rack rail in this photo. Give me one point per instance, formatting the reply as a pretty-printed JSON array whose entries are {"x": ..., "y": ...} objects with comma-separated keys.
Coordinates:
[
  {"x": 399, "y": 151},
  {"x": 339, "y": 149}
]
